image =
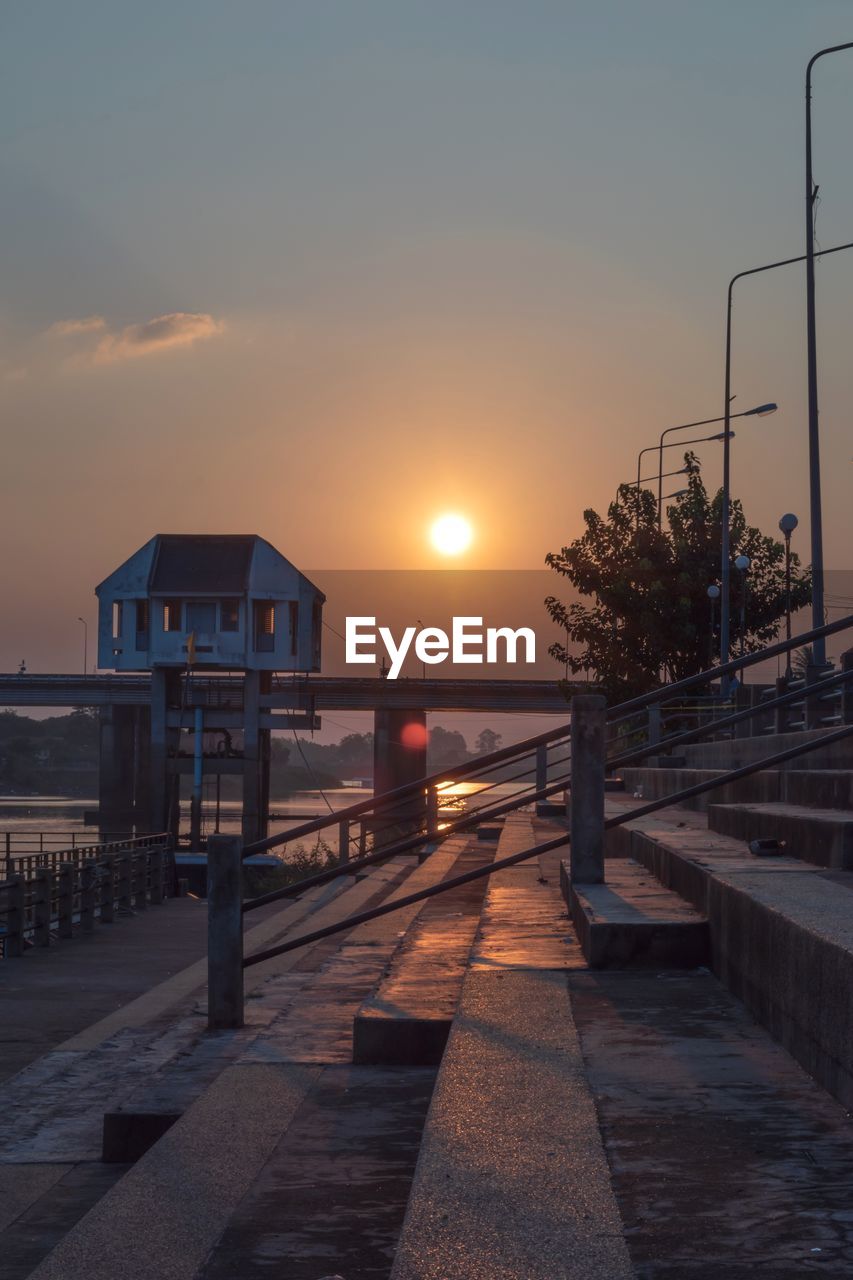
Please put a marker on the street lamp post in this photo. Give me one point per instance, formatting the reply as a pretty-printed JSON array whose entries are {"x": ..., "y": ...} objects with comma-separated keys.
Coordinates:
[
  {"x": 788, "y": 524},
  {"x": 681, "y": 443},
  {"x": 742, "y": 566},
  {"x": 815, "y": 509},
  {"x": 760, "y": 410},
  {"x": 85, "y": 644},
  {"x": 728, "y": 435}
]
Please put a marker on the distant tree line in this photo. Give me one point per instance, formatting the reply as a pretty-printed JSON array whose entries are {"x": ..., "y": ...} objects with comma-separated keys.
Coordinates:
[{"x": 59, "y": 755}]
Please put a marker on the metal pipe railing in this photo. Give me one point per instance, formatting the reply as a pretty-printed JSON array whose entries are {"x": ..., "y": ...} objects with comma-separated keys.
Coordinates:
[{"x": 732, "y": 775}]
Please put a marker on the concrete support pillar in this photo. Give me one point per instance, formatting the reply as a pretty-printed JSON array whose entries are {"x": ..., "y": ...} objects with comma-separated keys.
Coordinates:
[
  {"x": 587, "y": 792},
  {"x": 399, "y": 757},
  {"x": 224, "y": 932},
  {"x": 116, "y": 770},
  {"x": 251, "y": 756},
  {"x": 165, "y": 792}
]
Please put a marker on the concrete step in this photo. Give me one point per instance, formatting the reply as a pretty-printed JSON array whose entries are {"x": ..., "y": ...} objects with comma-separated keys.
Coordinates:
[
  {"x": 737, "y": 751},
  {"x": 821, "y": 836},
  {"x": 512, "y": 1180},
  {"x": 633, "y": 920},
  {"x": 781, "y": 934},
  {"x": 406, "y": 1020},
  {"x": 821, "y": 788},
  {"x": 298, "y": 1021},
  {"x": 727, "y": 1160}
]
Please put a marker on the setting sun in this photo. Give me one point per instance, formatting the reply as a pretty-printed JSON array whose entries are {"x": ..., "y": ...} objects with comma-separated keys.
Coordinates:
[{"x": 451, "y": 535}]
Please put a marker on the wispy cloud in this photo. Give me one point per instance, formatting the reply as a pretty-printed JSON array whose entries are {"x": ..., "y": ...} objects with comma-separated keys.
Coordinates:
[
  {"x": 178, "y": 329},
  {"x": 70, "y": 328}
]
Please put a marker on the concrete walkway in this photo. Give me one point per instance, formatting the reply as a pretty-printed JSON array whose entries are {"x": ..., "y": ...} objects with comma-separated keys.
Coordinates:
[{"x": 50, "y": 994}]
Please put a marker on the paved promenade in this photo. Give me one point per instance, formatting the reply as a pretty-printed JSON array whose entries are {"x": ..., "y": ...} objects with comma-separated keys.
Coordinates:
[{"x": 53, "y": 993}]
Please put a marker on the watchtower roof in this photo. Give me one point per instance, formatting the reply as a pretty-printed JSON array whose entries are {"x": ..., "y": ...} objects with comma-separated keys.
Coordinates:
[{"x": 216, "y": 563}]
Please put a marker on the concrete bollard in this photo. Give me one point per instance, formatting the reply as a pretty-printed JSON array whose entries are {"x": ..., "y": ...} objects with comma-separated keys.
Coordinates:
[
  {"x": 224, "y": 932},
  {"x": 587, "y": 793}
]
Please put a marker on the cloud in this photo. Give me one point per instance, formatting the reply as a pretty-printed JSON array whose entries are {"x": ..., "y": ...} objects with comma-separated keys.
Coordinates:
[
  {"x": 70, "y": 328},
  {"x": 177, "y": 329}
]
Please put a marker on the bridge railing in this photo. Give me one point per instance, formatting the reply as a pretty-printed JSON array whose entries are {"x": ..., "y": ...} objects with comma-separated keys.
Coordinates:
[
  {"x": 58, "y": 891},
  {"x": 19, "y": 843}
]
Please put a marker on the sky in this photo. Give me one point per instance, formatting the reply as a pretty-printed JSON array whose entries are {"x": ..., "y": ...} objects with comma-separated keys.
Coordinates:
[{"x": 320, "y": 270}]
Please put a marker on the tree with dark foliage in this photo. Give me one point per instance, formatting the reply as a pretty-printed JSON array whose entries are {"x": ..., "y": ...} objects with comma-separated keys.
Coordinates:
[{"x": 646, "y": 615}]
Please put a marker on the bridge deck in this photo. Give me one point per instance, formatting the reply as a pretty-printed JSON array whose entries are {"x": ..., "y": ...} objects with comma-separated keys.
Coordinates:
[{"x": 317, "y": 693}]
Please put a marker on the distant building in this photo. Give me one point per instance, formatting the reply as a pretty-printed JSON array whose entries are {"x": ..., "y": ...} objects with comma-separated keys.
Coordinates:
[{"x": 223, "y": 601}]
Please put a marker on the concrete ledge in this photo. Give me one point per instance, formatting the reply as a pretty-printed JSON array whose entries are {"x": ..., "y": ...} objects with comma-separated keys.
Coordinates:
[
  {"x": 164, "y": 1216},
  {"x": 129, "y": 1134},
  {"x": 630, "y": 922},
  {"x": 733, "y": 752},
  {"x": 822, "y": 788},
  {"x": 781, "y": 940},
  {"x": 512, "y": 1182},
  {"x": 401, "y": 1041},
  {"x": 822, "y": 836}
]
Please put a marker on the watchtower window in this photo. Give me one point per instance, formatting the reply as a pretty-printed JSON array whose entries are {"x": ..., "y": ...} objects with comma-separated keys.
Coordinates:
[
  {"x": 264, "y": 626},
  {"x": 316, "y": 631},
  {"x": 141, "y": 608},
  {"x": 172, "y": 615},
  {"x": 201, "y": 616},
  {"x": 118, "y": 618},
  {"x": 293, "y": 606},
  {"x": 230, "y": 613}
]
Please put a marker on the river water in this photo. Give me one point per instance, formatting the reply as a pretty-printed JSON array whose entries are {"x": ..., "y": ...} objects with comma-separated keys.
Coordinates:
[{"x": 57, "y": 822}]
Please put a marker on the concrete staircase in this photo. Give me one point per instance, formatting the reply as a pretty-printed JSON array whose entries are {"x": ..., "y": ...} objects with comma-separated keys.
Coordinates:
[{"x": 453, "y": 1092}]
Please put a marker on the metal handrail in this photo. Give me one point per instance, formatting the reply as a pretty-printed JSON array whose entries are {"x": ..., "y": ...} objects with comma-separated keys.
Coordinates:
[
  {"x": 405, "y": 845},
  {"x": 737, "y": 717},
  {"x": 617, "y": 820},
  {"x": 665, "y": 691},
  {"x": 616, "y": 713},
  {"x": 455, "y": 773}
]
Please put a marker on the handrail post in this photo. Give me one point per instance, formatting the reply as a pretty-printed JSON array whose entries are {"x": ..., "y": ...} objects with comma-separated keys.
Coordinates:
[
  {"x": 42, "y": 895},
  {"x": 847, "y": 688},
  {"x": 16, "y": 907},
  {"x": 432, "y": 810},
  {"x": 106, "y": 892},
  {"x": 814, "y": 711},
  {"x": 224, "y": 932},
  {"x": 654, "y": 725},
  {"x": 65, "y": 901},
  {"x": 156, "y": 863},
  {"x": 587, "y": 788},
  {"x": 542, "y": 766},
  {"x": 343, "y": 840},
  {"x": 87, "y": 896}
]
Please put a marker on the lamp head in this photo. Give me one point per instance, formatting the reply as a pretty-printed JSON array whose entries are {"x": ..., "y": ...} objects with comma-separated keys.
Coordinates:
[
  {"x": 762, "y": 410},
  {"x": 713, "y": 592},
  {"x": 788, "y": 524},
  {"x": 721, "y": 435},
  {"x": 742, "y": 563}
]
